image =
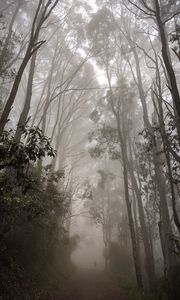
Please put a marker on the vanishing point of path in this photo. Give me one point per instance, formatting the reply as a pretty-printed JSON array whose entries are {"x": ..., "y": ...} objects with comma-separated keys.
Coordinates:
[{"x": 93, "y": 285}]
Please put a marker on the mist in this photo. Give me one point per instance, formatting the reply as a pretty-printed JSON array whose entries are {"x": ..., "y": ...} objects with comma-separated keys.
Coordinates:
[{"x": 89, "y": 149}]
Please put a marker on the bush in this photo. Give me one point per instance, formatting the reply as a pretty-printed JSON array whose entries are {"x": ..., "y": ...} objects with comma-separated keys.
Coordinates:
[{"x": 32, "y": 234}]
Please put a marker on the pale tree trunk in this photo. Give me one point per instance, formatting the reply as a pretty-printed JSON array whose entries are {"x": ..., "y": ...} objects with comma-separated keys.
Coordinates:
[
  {"x": 46, "y": 104},
  {"x": 159, "y": 176},
  {"x": 135, "y": 249},
  {"x": 48, "y": 96},
  {"x": 136, "y": 220},
  {"x": 33, "y": 46},
  {"x": 149, "y": 257},
  {"x": 27, "y": 103},
  {"x": 150, "y": 267},
  {"x": 123, "y": 147},
  {"x": 148, "y": 249},
  {"x": 162, "y": 126},
  {"x": 9, "y": 35}
]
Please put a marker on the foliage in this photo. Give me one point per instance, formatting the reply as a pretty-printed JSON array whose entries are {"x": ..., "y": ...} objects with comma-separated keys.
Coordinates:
[
  {"x": 7, "y": 51},
  {"x": 104, "y": 141},
  {"x": 17, "y": 157},
  {"x": 24, "y": 193},
  {"x": 100, "y": 32},
  {"x": 32, "y": 206}
]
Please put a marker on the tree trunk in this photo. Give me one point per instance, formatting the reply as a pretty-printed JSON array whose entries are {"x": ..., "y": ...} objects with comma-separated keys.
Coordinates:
[
  {"x": 149, "y": 257},
  {"x": 172, "y": 78},
  {"x": 8, "y": 38},
  {"x": 136, "y": 219},
  {"x": 25, "y": 112},
  {"x": 33, "y": 46},
  {"x": 123, "y": 147},
  {"x": 46, "y": 104},
  {"x": 168, "y": 161},
  {"x": 159, "y": 177},
  {"x": 135, "y": 249},
  {"x": 10, "y": 101}
]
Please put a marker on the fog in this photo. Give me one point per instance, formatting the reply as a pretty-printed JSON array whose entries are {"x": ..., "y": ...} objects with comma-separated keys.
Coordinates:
[
  {"x": 89, "y": 149},
  {"x": 90, "y": 248}
]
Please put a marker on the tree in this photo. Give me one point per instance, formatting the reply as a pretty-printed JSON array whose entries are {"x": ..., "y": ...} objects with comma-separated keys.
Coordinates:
[
  {"x": 44, "y": 11},
  {"x": 163, "y": 13},
  {"x": 102, "y": 210},
  {"x": 120, "y": 137}
]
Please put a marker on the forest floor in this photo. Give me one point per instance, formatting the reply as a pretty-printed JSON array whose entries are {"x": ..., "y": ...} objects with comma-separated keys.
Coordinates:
[
  {"x": 93, "y": 285},
  {"x": 82, "y": 285}
]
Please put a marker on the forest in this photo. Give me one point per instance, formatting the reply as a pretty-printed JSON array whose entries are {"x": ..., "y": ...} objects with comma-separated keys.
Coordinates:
[{"x": 89, "y": 150}]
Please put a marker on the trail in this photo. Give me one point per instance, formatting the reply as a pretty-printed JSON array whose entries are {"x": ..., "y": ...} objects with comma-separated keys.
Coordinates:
[{"x": 93, "y": 285}]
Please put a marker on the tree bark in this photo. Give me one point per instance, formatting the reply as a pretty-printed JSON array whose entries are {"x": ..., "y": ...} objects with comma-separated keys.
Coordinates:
[
  {"x": 123, "y": 147},
  {"x": 135, "y": 249},
  {"x": 159, "y": 177},
  {"x": 149, "y": 257},
  {"x": 172, "y": 78},
  {"x": 168, "y": 161},
  {"x": 33, "y": 46},
  {"x": 26, "y": 108}
]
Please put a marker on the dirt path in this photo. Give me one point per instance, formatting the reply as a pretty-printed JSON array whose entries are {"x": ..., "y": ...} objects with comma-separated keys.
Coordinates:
[{"x": 93, "y": 285}]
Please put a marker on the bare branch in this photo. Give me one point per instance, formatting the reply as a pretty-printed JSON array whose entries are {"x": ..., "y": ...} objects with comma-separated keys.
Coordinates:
[
  {"x": 172, "y": 16},
  {"x": 142, "y": 10}
]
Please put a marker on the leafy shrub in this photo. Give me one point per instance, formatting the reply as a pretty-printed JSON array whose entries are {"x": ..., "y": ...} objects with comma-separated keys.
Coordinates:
[{"x": 32, "y": 210}]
